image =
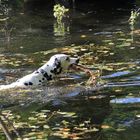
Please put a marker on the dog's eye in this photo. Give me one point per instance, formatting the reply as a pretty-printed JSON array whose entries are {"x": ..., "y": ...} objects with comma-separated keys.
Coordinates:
[{"x": 67, "y": 59}]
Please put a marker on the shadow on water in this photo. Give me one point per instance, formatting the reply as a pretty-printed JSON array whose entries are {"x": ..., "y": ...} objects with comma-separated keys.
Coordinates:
[{"x": 66, "y": 109}]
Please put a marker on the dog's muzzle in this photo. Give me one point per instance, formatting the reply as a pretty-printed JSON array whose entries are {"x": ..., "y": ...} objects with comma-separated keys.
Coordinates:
[
  {"x": 77, "y": 61},
  {"x": 72, "y": 66}
]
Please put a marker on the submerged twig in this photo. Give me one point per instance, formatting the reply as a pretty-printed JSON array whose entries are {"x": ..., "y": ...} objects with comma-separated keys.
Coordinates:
[
  {"x": 53, "y": 113},
  {"x": 16, "y": 132},
  {"x": 5, "y": 129}
]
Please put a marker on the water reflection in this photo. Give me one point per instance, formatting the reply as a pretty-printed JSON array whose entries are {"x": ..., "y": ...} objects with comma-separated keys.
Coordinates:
[
  {"x": 61, "y": 29},
  {"x": 71, "y": 118}
]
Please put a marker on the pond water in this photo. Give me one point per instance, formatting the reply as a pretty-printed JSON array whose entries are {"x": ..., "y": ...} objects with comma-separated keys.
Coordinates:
[{"x": 66, "y": 109}]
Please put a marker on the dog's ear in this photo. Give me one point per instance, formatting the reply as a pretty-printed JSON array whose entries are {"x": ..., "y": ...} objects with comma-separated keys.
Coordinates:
[
  {"x": 57, "y": 67},
  {"x": 57, "y": 63}
]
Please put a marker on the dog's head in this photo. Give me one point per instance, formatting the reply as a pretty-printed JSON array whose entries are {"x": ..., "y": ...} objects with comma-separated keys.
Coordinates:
[{"x": 63, "y": 62}]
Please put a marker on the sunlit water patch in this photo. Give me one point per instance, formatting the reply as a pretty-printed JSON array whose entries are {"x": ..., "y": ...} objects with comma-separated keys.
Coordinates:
[
  {"x": 117, "y": 74},
  {"x": 126, "y": 100},
  {"x": 123, "y": 84}
]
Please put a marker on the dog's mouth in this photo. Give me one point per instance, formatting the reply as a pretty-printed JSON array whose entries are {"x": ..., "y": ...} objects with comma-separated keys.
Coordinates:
[
  {"x": 73, "y": 65},
  {"x": 77, "y": 61}
]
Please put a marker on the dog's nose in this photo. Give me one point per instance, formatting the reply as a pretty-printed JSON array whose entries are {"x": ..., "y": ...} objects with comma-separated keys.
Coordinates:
[{"x": 77, "y": 61}]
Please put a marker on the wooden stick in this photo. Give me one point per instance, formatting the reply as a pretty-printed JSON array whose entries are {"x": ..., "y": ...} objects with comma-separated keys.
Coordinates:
[
  {"x": 85, "y": 69},
  {"x": 82, "y": 68},
  {"x": 93, "y": 76}
]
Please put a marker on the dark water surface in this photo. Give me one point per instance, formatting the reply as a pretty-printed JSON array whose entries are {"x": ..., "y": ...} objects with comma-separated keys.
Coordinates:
[{"x": 65, "y": 109}]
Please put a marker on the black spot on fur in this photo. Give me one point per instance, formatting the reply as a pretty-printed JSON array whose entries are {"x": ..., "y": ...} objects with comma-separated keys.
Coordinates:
[
  {"x": 45, "y": 74},
  {"x": 48, "y": 77},
  {"x": 26, "y": 84},
  {"x": 42, "y": 71},
  {"x": 36, "y": 72},
  {"x": 56, "y": 70},
  {"x": 57, "y": 63},
  {"x": 30, "y": 83}
]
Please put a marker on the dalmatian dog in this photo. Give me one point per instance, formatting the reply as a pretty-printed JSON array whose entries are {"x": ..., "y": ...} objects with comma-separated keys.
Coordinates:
[{"x": 55, "y": 66}]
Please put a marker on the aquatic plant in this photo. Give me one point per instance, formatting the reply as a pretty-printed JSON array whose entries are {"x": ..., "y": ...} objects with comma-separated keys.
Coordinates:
[
  {"x": 132, "y": 21},
  {"x": 133, "y": 17},
  {"x": 60, "y": 28},
  {"x": 59, "y": 12}
]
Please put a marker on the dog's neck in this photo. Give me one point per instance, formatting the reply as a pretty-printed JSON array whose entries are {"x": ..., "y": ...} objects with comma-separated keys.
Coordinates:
[{"x": 49, "y": 70}]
